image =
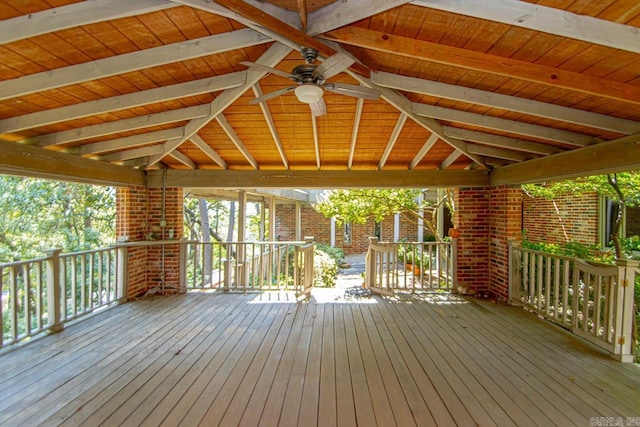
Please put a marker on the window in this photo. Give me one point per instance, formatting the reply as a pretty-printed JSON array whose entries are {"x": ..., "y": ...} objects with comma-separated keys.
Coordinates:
[
  {"x": 630, "y": 221},
  {"x": 377, "y": 230},
  {"x": 347, "y": 232}
]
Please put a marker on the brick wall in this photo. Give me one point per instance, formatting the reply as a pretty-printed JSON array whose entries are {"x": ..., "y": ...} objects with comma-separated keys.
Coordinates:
[
  {"x": 139, "y": 211},
  {"x": 472, "y": 220},
  {"x": 316, "y": 225},
  {"x": 566, "y": 218},
  {"x": 506, "y": 226}
]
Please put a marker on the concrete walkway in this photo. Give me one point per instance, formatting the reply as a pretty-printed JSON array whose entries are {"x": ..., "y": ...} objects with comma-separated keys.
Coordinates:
[{"x": 353, "y": 275}]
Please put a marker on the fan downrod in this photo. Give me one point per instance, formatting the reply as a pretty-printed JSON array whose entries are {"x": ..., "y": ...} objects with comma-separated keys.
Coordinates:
[{"x": 309, "y": 54}]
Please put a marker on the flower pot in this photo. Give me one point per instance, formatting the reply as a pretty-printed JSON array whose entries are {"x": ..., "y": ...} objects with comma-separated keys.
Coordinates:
[{"x": 454, "y": 233}]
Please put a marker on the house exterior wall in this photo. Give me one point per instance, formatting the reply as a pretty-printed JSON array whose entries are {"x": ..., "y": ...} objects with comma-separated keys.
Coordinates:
[
  {"x": 316, "y": 225},
  {"x": 568, "y": 218},
  {"x": 139, "y": 211}
]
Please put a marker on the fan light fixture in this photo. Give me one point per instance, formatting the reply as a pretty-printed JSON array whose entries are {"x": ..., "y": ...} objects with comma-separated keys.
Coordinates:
[{"x": 309, "y": 93}]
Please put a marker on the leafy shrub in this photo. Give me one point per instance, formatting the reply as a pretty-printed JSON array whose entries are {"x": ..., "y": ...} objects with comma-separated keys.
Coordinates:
[
  {"x": 336, "y": 253},
  {"x": 325, "y": 269}
]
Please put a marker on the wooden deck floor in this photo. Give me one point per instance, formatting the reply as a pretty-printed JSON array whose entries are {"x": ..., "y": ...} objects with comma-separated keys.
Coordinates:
[{"x": 262, "y": 359}]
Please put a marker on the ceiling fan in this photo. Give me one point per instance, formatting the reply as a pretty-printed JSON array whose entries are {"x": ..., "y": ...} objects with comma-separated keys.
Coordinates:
[{"x": 311, "y": 80}]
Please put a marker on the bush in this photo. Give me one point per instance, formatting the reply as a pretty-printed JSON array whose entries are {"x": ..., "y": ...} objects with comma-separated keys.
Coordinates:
[
  {"x": 336, "y": 253},
  {"x": 325, "y": 269}
]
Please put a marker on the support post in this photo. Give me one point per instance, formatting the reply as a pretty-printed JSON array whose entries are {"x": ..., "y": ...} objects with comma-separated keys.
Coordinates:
[
  {"x": 454, "y": 265},
  {"x": 182, "y": 268},
  {"x": 54, "y": 290},
  {"x": 122, "y": 278},
  {"x": 622, "y": 334}
]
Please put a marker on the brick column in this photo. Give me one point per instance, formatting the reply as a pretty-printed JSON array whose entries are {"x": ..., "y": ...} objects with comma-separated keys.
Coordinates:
[
  {"x": 472, "y": 221},
  {"x": 139, "y": 213},
  {"x": 506, "y": 226}
]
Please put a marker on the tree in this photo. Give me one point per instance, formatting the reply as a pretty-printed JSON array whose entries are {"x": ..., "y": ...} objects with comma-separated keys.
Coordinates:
[
  {"x": 37, "y": 214},
  {"x": 622, "y": 188},
  {"x": 358, "y": 205}
]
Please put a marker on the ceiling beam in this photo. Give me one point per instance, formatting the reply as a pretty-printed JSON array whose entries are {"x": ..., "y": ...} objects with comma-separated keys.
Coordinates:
[
  {"x": 130, "y": 141},
  {"x": 392, "y": 140},
  {"x": 276, "y": 26},
  {"x": 505, "y": 102},
  {"x": 504, "y": 125},
  {"x": 451, "y": 158},
  {"x": 619, "y": 155},
  {"x": 271, "y": 58},
  {"x": 314, "y": 179},
  {"x": 485, "y": 63},
  {"x": 341, "y": 13},
  {"x": 354, "y": 133},
  {"x": 257, "y": 91},
  {"x": 302, "y": 10},
  {"x": 545, "y": 19},
  {"x": 233, "y": 136},
  {"x": 129, "y": 62},
  {"x": 117, "y": 126},
  {"x": 210, "y": 152},
  {"x": 135, "y": 153},
  {"x": 501, "y": 141},
  {"x": 74, "y": 15},
  {"x": 121, "y": 102},
  {"x": 428, "y": 144},
  {"x": 27, "y": 160}
]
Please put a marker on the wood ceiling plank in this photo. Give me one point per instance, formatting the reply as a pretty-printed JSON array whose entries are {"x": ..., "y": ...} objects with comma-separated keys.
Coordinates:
[
  {"x": 129, "y": 62},
  {"x": 486, "y": 63},
  {"x": 73, "y": 15},
  {"x": 106, "y": 105},
  {"x": 545, "y": 19}
]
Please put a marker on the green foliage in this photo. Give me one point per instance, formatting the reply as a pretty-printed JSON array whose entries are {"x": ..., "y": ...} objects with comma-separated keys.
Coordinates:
[
  {"x": 336, "y": 253},
  {"x": 358, "y": 205},
  {"x": 38, "y": 214},
  {"x": 325, "y": 269},
  {"x": 573, "y": 249},
  {"x": 629, "y": 183}
]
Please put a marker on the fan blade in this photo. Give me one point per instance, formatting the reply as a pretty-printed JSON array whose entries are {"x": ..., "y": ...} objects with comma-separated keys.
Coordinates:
[
  {"x": 268, "y": 69},
  {"x": 319, "y": 108},
  {"x": 268, "y": 96},
  {"x": 334, "y": 65},
  {"x": 352, "y": 90}
]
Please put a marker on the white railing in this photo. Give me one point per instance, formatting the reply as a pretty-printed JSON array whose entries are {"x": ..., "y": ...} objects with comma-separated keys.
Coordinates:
[
  {"x": 247, "y": 266},
  {"x": 41, "y": 294},
  {"x": 594, "y": 301},
  {"x": 410, "y": 266}
]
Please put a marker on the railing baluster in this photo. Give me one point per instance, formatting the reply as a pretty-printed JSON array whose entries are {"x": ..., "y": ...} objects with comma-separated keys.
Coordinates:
[{"x": 27, "y": 303}]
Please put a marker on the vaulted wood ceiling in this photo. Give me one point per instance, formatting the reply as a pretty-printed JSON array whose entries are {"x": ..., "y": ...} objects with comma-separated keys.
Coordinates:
[{"x": 471, "y": 93}]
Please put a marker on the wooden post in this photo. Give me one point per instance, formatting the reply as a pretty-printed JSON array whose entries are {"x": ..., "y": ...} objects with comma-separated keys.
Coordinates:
[
  {"x": 182, "y": 268},
  {"x": 454, "y": 265},
  {"x": 623, "y": 322},
  {"x": 122, "y": 278},
  {"x": 54, "y": 290},
  {"x": 370, "y": 265}
]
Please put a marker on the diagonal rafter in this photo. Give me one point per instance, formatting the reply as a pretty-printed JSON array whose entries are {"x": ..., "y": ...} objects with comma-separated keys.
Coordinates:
[
  {"x": 129, "y": 62},
  {"x": 545, "y": 19},
  {"x": 228, "y": 129},
  {"x": 392, "y": 140},
  {"x": 271, "y": 57},
  {"x": 429, "y": 143},
  {"x": 121, "y": 102},
  {"x": 257, "y": 91},
  {"x": 210, "y": 152},
  {"x": 354, "y": 133},
  {"x": 505, "y": 102},
  {"x": 486, "y": 63}
]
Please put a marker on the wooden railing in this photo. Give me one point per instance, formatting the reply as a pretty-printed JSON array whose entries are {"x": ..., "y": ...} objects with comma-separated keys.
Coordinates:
[
  {"x": 594, "y": 301},
  {"x": 410, "y": 266},
  {"x": 247, "y": 266},
  {"x": 42, "y": 294}
]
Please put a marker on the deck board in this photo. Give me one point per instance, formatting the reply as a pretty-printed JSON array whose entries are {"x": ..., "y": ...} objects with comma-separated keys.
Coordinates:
[{"x": 264, "y": 359}]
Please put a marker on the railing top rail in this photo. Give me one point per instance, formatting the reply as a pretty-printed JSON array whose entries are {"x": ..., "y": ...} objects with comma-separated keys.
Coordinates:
[
  {"x": 86, "y": 252},
  {"x": 596, "y": 268},
  {"x": 23, "y": 262},
  {"x": 549, "y": 254}
]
